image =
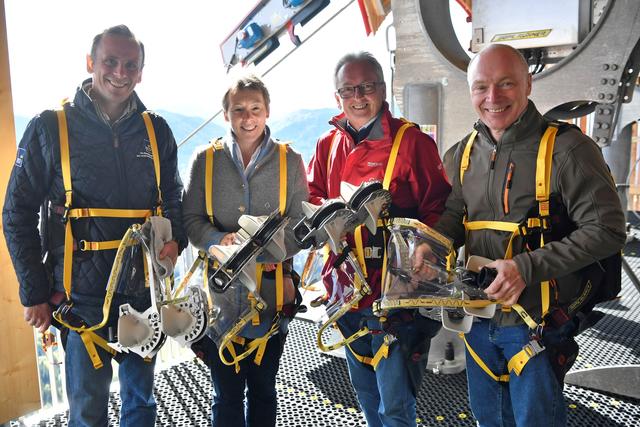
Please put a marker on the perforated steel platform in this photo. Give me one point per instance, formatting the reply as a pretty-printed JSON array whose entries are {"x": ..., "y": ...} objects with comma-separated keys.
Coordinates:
[{"x": 314, "y": 389}]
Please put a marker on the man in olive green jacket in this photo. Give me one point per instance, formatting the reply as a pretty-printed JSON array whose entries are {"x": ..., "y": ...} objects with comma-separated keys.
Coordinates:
[{"x": 499, "y": 185}]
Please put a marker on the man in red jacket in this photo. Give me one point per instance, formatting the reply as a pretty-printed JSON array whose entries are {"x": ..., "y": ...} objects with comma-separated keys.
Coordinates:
[{"x": 358, "y": 150}]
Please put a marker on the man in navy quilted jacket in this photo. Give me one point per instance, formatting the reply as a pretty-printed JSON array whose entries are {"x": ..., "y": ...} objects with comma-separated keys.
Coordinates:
[{"x": 111, "y": 166}]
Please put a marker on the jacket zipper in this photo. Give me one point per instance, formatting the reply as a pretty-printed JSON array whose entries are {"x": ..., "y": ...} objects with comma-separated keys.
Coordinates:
[{"x": 507, "y": 187}]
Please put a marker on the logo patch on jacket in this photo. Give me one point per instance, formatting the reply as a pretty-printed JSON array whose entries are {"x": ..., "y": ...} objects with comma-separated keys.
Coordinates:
[
  {"x": 147, "y": 153},
  {"x": 20, "y": 157}
]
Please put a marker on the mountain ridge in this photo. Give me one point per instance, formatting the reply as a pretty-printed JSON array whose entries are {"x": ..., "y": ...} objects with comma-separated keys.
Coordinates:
[{"x": 302, "y": 128}]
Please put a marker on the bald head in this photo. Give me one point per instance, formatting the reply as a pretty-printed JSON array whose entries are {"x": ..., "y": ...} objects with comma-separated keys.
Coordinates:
[
  {"x": 502, "y": 50},
  {"x": 500, "y": 85}
]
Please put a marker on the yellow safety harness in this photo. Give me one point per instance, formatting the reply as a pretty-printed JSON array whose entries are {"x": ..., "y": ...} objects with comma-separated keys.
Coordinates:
[
  {"x": 383, "y": 351},
  {"x": 257, "y": 345},
  {"x": 543, "y": 189},
  {"x": 89, "y": 337}
]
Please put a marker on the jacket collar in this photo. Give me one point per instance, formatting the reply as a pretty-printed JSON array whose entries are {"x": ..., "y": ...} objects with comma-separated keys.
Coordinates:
[
  {"x": 380, "y": 129},
  {"x": 530, "y": 123},
  {"x": 267, "y": 144},
  {"x": 83, "y": 101}
]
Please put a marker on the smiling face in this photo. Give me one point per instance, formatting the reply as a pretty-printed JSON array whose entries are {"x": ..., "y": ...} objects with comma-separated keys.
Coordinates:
[
  {"x": 500, "y": 85},
  {"x": 360, "y": 108},
  {"x": 247, "y": 113},
  {"x": 116, "y": 70}
]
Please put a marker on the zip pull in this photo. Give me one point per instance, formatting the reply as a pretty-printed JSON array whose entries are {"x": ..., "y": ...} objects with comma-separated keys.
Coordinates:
[
  {"x": 507, "y": 187},
  {"x": 493, "y": 158}
]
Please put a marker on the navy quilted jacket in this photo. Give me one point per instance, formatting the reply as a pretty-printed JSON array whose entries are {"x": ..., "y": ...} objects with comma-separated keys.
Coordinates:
[{"x": 111, "y": 167}]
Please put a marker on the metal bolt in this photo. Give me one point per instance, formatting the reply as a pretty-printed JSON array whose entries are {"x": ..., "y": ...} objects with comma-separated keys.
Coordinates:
[
  {"x": 597, "y": 125},
  {"x": 603, "y": 81},
  {"x": 606, "y": 111},
  {"x": 601, "y": 96},
  {"x": 605, "y": 126},
  {"x": 614, "y": 67},
  {"x": 605, "y": 67},
  {"x": 612, "y": 82},
  {"x": 610, "y": 96}
]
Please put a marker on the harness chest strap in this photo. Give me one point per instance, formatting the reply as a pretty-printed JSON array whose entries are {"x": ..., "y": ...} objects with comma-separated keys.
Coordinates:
[{"x": 259, "y": 344}]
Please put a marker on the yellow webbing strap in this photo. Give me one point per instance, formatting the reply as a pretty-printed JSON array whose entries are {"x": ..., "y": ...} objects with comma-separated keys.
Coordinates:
[
  {"x": 111, "y": 285},
  {"x": 65, "y": 165},
  {"x": 84, "y": 245},
  {"x": 258, "y": 345},
  {"x": 283, "y": 178},
  {"x": 90, "y": 339},
  {"x": 108, "y": 213},
  {"x": 517, "y": 362},
  {"x": 187, "y": 277},
  {"x": 466, "y": 155},
  {"x": 279, "y": 287},
  {"x": 482, "y": 365},
  {"x": 154, "y": 150},
  {"x": 393, "y": 155},
  {"x": 544, "y": 162},
  {"x": 383, "y": 351},
  {"x": 366, "y": 360},
  {"x": 255, "y": 320},
  {"x": 208, "y": 177},
  {"x": 525, "y": 316},
  {"x": 344, "y": 341},
  {"x": 520, "y": 359},
  {"x": 208, "y": 183},
  {"x": 283, "y": 207},
  {"x": 232, "y": 351},
  {"x": 511, "y": 227}
]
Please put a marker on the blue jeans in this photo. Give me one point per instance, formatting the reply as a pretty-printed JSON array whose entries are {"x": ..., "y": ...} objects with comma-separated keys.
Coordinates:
[
  {"x": 257, "y": 382},
  {"x": 532, "y": 398},
  {"x": 88, "y": 388},
  {"x": 387, "y": 395}
]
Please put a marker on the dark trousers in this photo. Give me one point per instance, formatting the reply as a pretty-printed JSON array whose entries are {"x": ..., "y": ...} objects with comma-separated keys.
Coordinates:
[{"x": 253, "y": 384}]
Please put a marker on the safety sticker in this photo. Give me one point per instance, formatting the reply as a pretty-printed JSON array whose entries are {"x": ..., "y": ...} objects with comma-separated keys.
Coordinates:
[
  {"x": 507, "y": 37},
  {"x": 20, "y": 157}
]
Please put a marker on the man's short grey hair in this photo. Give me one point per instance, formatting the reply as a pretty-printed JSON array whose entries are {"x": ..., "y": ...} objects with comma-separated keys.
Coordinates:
[
  {"x": 358, "y": 57},
  {"x": 517, "y": 54}
]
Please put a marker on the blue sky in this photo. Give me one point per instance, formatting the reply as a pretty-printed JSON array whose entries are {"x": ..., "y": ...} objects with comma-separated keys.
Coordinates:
[{"x": 48, "y": 41}]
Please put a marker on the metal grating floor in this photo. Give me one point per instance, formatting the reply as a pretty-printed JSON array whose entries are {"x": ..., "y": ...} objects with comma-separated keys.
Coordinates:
[{"x": 314, "y": 389}]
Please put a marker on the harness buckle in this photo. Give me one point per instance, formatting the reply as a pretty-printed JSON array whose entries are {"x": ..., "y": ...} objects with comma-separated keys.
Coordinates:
[
  {"x": 83, "y": 246},
  {"x": 64, "y": 313},
  {"x": 65, "y": 214},
  {"x": 533, "y": 348},
  {"x": 545, "y": 223},
  {"x": 523, "y": 228}
]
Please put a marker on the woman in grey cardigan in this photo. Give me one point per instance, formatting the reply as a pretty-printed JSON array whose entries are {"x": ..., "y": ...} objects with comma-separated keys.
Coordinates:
[{"x": 246, "y": 176}]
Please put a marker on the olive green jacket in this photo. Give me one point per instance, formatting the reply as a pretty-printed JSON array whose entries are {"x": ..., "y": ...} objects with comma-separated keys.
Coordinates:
[{"x": 579, "y": 177}]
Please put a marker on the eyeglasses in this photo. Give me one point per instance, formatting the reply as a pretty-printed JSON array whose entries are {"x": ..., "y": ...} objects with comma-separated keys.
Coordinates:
[{"x": 365, "y": 88}]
